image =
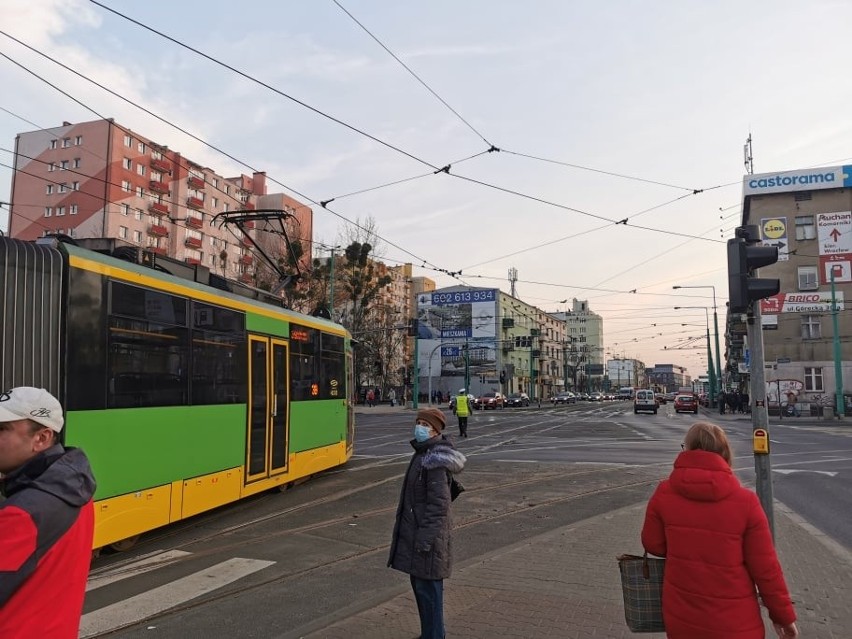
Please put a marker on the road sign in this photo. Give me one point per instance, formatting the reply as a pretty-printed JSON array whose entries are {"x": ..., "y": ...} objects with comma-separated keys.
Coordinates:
[
  {"x": 834, "y": 233},
  {"x": 773, "y": 232}
]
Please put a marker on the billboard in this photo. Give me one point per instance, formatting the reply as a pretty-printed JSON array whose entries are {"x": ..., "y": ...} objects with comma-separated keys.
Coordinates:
[
  {"x": 827, "y": 177},
  {"x": 813, "y": 302},
  {"x": 455, "y": 329}
]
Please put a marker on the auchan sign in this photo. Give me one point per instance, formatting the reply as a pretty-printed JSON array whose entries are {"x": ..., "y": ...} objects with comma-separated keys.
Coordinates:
[
  {"x": 817, "y": 301},
  {"x": 832, "y": 177}
]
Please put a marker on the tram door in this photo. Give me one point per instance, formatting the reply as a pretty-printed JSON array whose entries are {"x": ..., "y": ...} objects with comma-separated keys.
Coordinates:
[
  {"x": 268, "y": 407},
  {"x": 350, "y": 403}
]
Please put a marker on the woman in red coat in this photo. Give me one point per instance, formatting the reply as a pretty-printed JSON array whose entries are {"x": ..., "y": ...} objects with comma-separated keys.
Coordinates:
[{"x": 718, "y": 548}]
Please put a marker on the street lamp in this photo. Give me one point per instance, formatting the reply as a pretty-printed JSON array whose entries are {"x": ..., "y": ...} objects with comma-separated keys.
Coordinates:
[
  {"x": 716, "y": 328},
  {"x": 711, "y": 374}
]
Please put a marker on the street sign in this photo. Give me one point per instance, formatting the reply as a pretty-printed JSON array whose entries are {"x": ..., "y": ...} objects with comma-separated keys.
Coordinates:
[
  {"x": 834, "y": 233},
  {"x": 783, "y": 360},
  {"x": 450, "y": 351},
  {"x": 773, "y": 232}
]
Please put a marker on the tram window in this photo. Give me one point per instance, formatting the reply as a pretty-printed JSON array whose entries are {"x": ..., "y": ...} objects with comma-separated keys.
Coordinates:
[
  {"x": 304, "y": 348},
  {"x": 218, "y": 355},
  {"x": 146, "y": 304},
  {"x": 86, "y": 356},
  {"x": 147, "y": 364},
  {"x": 332, "y": 375}
]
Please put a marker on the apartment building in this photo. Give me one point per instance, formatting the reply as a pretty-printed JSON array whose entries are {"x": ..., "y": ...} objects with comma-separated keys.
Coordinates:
[{"x": 100, "y": 179}]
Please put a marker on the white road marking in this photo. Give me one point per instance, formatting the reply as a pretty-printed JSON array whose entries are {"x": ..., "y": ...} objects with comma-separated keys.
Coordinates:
[
  {"x": 789, "y": 471},
  {"x": 157, "y": 600},
  {"x": 151, "y": 562}
]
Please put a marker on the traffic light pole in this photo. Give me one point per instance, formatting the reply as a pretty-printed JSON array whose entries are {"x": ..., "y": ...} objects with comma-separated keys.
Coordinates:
[{"x": 759, "y": 414}]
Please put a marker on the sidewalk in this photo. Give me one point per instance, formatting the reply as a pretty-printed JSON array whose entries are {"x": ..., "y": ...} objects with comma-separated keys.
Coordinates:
[{"x": 565, "y": 584}]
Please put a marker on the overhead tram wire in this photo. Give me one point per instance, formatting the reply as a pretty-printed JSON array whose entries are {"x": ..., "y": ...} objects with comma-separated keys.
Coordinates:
[
  {"x": 374, "y": 138},
  {"x": 195, "y": 137},
  {"x": 416, "y": 77},
  {"x": 265, "y": 85}
]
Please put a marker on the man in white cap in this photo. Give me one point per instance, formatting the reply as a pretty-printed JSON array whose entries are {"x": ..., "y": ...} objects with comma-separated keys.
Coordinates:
[
  {"x": 46, "y": 520},
  {"x": 463, "y": 411}
]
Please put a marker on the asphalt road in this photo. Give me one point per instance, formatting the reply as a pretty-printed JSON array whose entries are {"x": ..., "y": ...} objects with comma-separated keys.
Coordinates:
[{"x": 280, "y": 562}]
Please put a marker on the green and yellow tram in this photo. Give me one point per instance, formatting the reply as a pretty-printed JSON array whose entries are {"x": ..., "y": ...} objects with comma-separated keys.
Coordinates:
[{"x": 187, "y": 392}]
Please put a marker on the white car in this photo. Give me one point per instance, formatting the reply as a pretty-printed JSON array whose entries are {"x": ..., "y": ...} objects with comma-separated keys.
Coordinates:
[{"x": 644, "y": 400}]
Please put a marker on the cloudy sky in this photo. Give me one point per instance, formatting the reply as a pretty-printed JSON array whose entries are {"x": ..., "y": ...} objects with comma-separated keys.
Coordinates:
[{"x": 635, "y": 111}]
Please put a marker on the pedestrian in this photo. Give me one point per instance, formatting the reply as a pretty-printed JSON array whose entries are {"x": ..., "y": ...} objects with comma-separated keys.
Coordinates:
[
  {"x": 721, "y": 399},
  {"x": 371, "y": 398},
  {"x": 718, "y": 547},
  {"x": 463, "y": 411},
  {"x": 46, "y": 520},
  {"x": 421, "y": 545},
  {"x": 392, "y": 397}
]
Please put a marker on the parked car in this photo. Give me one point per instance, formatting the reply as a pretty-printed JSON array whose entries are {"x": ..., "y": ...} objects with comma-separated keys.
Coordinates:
[
  {"x": 661, "y": 398},
  {"x": 596, "y": 397},
  {"x": 490, "y": 400},
  {"x": 564, "y": 398},
  {"x": 686, "y": 404},
  {"x": 518, "y": 399},
  {"x": 645, "y": 401}
]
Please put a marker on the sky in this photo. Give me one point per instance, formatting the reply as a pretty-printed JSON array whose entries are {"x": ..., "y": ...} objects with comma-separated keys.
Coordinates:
[{"x": 636, "y": 111}]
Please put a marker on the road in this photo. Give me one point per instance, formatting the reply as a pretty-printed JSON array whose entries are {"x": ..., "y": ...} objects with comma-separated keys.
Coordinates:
[{"x": 281, "y": 562}]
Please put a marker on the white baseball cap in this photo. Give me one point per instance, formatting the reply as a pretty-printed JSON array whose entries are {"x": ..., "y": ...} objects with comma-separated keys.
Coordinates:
[{"x": 26, "y": 402}]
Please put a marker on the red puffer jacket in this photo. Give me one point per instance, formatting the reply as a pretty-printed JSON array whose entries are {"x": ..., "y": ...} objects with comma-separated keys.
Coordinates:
[{"x": 718, "y": 547}]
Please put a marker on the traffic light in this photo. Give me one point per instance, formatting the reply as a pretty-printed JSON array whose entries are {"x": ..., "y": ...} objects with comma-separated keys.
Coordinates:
[
  {"x": 744, "y": 256},
  {"x": 502, "y": 377}
]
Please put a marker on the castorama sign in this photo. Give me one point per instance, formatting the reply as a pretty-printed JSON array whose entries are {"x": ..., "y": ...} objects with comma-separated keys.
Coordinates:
[{"x": 830, "y": 177}]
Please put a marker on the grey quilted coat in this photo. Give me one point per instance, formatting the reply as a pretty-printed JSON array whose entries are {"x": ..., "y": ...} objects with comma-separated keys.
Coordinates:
[{"x": 421, "y": 543}]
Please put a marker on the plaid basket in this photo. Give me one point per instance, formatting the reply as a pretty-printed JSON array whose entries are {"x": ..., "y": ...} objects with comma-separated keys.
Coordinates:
[{"x": 642, "y": 585}]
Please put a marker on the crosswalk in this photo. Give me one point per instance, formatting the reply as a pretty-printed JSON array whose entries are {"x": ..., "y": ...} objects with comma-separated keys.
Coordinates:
[{"x": 159, "y": 599}]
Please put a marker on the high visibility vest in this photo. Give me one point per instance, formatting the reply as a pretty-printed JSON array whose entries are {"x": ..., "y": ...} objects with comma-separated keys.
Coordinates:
[{"x": 462, "y": 405}]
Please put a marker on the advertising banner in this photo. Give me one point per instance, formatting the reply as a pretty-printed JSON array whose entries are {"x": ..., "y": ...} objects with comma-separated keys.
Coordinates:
[
  {"x": 773, "y": 231},
  {"x": 827, "y": 177},
  {"x": 457, "y": 329},
  {"x": 834, "y": 233},
  {"x": 813, "y": 302}
]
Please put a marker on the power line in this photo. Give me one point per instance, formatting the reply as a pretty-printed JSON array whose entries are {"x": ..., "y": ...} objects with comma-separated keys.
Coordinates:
[{"x": 416, "y": 77}]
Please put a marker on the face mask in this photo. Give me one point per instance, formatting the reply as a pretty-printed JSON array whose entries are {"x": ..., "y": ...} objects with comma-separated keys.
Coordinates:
[{"x": 421, "y": 433}]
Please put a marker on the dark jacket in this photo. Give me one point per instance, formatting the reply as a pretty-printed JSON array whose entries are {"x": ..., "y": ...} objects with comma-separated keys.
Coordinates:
[
  {"x": 46, "y": 528},
  {"x": 421, "y": 544},
  {"x": 718, "y": 549}
]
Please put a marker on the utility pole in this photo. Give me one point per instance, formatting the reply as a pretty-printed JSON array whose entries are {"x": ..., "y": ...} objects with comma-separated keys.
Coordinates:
[
  {"x": 760, "y": 416},
  {"x": 838, "y": 369},
  {"x": 416, "y": 381},
  {"x": 331, "y": 286}
]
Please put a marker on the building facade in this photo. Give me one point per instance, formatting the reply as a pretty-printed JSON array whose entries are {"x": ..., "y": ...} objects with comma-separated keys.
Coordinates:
[
  {"x": 668, "y": 378},
  {"x": 101, "y": 180},
  {"x": 807, "y": 214},
  {"x": 585, "y": 349}
]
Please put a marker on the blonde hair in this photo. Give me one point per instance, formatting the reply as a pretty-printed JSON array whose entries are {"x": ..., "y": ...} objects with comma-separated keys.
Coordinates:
[{"x": 709, "y": 437}]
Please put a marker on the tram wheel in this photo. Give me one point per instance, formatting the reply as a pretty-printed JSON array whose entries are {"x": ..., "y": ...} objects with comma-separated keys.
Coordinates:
[{"x": 124, "y": 544}]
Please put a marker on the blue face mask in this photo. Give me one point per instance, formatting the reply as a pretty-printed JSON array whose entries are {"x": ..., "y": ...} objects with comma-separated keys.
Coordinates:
[{"x": 421, "y": 433}]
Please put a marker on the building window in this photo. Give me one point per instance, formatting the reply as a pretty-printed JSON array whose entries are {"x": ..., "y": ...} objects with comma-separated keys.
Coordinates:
[
  {"x": 66, "y": 142},
  {"x": 72, "y": 209},
  {"x": 125, "y": 186},
  {"x": 811, "y": 327},
  {"x": 76, "y": 163},
  {"x": 226, "y": 207},
  {"x": 141, "y": 147},
  {"x": 125, "y": 209},
  {"x": 127, "y": 163},
  {"x": 805, "y": 229},
  {"x": 122, "y": 232},
  {"x": 63, "y": 166},
  {"x": 78, "y": 140},
  {"x": 51, "y": 167},
  {"x": 140, "y": 191},
  {"x": 140, "y": 169},
  {"x": 808, "y": 278},
  {"x": 137, "y": 237},
  {"x": 139, "y": 214},
  {"x": 128, "y": 141},
  {"x": 60, "y": 211},
  {"x": 63, "y": 188},
  {"x": 49, "y": 189},
  {"x": 214, "y": 202},
  {"x": 215, "y": 183},
  {"x": 813, "y": 379},
  {"x": 48, "y": 211},
  {"x": 53, "y": 144}
]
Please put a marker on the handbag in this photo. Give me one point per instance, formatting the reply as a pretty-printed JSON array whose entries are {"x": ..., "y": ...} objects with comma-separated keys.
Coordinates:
[
  {"x": 456, "y": 488},
  {"x": 642, "y": 586}
]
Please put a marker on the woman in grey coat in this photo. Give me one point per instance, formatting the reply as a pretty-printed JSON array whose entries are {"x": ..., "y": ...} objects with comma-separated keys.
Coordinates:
[{"x": 421, "y": 544}]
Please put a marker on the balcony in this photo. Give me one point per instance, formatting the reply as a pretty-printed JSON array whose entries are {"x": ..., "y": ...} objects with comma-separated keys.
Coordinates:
[
  {"x": 246, "y": 278},
  {"x": 192, "y": 260},
  {"x": 159, "y": 250},
  {"x": 193, "y": 242},
  {"x": 508, "y": 322},
  {"x": 246, "y": 259},
  {"x": 161, "y": 165},
  {"x": 195, "y": 182},
  {"x": 194, "y": 222},
  {"x": 158, "y": 230},
  {"x": 246, "y": 242},
  {"x": 158, "y": 209},
  {"x": 158, "y": 187},
  {"x": 195, "y": 202}
]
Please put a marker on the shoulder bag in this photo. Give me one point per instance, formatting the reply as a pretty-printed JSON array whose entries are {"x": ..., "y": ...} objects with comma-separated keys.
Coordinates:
[{"x": 642, "y": 586}]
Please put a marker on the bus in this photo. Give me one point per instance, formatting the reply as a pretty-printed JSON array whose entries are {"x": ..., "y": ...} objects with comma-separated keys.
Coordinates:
[
  {"x": 186, "y": 391},
  {"x": 626, "y": 392}
]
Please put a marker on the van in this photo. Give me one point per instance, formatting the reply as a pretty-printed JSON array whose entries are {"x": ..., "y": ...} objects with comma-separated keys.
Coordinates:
[{"x": 644, "y": 400}]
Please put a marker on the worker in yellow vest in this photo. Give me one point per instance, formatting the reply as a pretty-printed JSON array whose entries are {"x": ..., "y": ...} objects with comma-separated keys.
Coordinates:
[{"x": 463, "y": 410}]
